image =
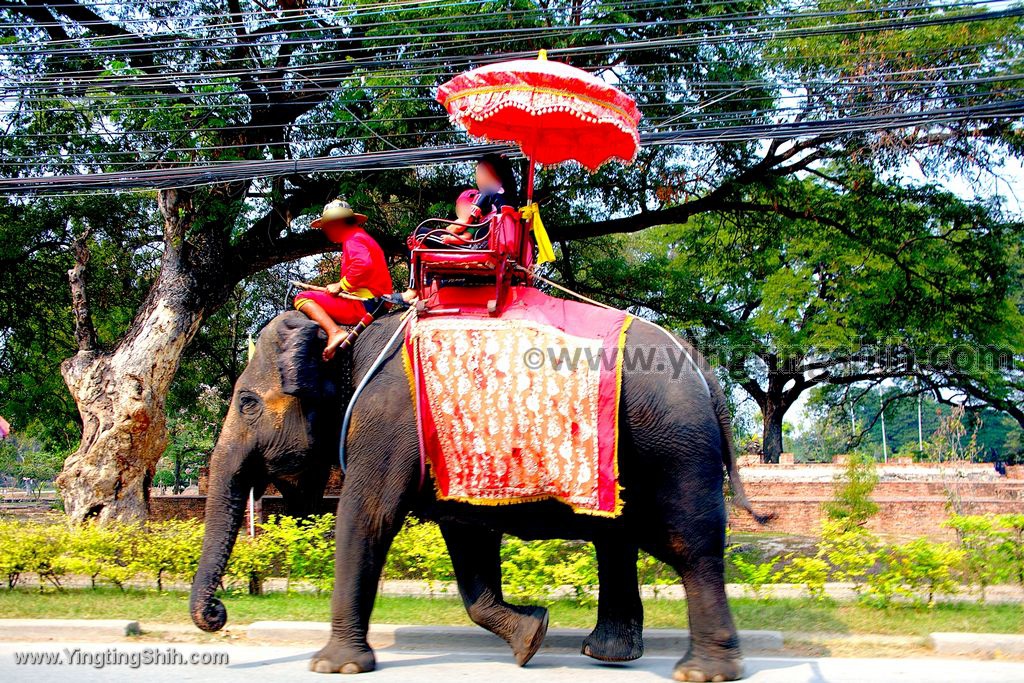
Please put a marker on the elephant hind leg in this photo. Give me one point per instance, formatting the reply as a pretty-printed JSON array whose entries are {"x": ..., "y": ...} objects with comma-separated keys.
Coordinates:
[
  {"x": 618, "y": 635},
  {"x": 475, "y": 554},
  {"x": 714, "y": 651}
]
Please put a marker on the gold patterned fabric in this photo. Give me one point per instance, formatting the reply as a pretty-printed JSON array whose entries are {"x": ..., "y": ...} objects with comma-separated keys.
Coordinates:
[{"x": 502, "y": 420}]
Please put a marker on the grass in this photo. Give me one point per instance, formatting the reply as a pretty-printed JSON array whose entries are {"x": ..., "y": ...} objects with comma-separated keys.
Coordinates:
[{"x": 785, "y": 614}]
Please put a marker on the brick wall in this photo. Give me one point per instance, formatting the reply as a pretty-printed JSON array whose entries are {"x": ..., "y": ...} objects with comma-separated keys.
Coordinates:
[
  {"x": 194, "y": 507},
  {"x": 333, "y": 483},
  {"x": 898, "y": 518},
  {"x": 912, "y": 497}
]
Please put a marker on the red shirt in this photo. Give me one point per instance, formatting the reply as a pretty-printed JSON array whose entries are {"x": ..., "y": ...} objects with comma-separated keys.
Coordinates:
[{"x": 363, "y": 265}]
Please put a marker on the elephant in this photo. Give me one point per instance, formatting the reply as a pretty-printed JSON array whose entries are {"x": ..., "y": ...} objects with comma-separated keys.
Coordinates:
[
  {"x": 282, "y": 427},
  {"x": 675, "y": 448}
]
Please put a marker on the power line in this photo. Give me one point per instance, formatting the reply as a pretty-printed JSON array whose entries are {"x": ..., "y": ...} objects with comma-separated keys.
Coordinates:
[
  {"x": 408, "y": 158},
  {"x": 899, "y": 23},
  {"x": 99, "y": 160},
  {"x": 946, "y": 89}
]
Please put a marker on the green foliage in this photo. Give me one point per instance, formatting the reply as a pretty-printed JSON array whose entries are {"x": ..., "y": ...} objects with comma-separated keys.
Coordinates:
[
  {"x": 302, "y": 550},
  {"x": 25, "y": 460},
  {"x": 653, "y": 572},
  {"x": 32, "y": 548},
  {"x": 980, "y": 543},
  {"x": 167, "y": 550},
  {"x": 314, "y": 554},
  {"x": 103, "y": 553},
  {"x": 287, "y": 536},
  {"x": 843, "y": 287},
  {"x": 755, "y": 574},
  {"x": 828, "y": 430},
  {"x": 917, "y": 572},
  {"x": 251, "y": 562},
  {"x": 36, "y": 324},
  {"x": 993, "y": 547},
  {"x": 811, "y": 572},
  {"x": 531, "y": 570},
  {"x": 419, "y": 553},
  {"x": 851, "y": 551},
  {"x": 799, "y": 256},
  {"x": 852, "y": 504},
  {"x": 1012, "y": 547}
]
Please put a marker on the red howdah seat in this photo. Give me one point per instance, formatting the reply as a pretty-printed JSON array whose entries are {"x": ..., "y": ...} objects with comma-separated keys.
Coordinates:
[{"x": 506, "y": 246}]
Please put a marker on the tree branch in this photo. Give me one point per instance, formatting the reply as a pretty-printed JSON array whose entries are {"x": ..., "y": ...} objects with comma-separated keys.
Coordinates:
[
  {"x": 262, "y": 245},
  {"x": 85, "y": 333},
  {"x": 712, "y": 201},
  {"x": 36, "y": 10}
]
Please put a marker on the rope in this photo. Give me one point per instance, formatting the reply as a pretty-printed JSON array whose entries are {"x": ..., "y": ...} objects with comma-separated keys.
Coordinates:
[{"x": 532, "y": 271}]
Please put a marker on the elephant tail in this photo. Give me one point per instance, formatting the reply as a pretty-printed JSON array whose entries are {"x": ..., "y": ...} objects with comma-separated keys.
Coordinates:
[{"x": 739, "y": 493}]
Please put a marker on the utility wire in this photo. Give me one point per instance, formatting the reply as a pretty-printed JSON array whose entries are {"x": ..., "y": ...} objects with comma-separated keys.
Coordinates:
[{"x": 407, "y": 158}]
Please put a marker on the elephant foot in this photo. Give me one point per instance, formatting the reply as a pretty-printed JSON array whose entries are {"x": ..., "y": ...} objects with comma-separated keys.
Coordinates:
[
  {"x": 338, "y": 657},
  {"x": 704, "y": 669},
  {"x": 614, "y": 644},
  {"x": 529, "y": 636}
]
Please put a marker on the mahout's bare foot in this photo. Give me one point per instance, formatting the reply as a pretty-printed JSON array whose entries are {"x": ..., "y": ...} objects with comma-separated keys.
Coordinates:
[{"x": 333, "y": 342}]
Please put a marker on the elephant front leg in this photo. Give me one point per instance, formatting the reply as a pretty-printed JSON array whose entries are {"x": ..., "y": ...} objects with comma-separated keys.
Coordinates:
[
  {"x": 366, "y": 525},
  {"x": 618, "y": 636},
  {"x": 475, "y": 555}
]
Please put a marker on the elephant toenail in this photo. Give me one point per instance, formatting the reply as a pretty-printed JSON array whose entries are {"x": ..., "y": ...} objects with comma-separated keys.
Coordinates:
[{"x": 323, "y": 667}]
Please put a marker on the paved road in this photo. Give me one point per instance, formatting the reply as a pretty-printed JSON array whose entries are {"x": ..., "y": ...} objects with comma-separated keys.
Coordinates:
[{"x": 249, "y": 664}]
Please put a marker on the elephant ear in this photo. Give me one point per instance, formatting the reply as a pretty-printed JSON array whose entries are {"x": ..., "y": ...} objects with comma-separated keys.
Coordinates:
[{"x": 298, "y": 360}]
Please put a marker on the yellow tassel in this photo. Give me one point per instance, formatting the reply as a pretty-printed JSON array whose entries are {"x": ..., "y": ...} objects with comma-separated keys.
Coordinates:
[
  {"x": 545, "y": 252},
  {"x": 252, "y": 349}
]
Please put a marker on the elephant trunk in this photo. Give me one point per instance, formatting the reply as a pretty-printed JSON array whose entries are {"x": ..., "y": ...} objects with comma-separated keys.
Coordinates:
[{"x": 225, "y": 508}]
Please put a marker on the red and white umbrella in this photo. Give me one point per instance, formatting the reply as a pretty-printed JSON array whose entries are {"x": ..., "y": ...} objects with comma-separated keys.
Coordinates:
[{"x": 554, "y": 113}]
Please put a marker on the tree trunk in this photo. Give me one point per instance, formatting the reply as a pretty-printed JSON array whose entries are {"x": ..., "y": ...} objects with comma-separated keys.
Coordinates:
[
  {"x": 771, "y": 442},
  {"x": 120, "y": 394}
]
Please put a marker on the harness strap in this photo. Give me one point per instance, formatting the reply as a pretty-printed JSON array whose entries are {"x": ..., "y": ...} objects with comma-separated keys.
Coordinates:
[{"x": 381, "y": 357}]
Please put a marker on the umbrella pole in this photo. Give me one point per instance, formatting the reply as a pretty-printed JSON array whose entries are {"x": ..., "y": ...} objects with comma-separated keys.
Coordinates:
[{"x": 529, "y": 182}]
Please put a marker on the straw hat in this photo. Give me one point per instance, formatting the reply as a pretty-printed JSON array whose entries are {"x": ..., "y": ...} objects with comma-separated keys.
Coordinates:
[{"x": 338, "y": 211}]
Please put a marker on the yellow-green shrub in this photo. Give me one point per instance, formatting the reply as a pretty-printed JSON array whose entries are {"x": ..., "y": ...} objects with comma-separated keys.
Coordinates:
[{"x": 167, "y": 550}]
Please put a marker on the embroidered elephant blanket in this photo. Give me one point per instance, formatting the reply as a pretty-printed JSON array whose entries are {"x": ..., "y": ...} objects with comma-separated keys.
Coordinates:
[{"x": 521, "y": 407}]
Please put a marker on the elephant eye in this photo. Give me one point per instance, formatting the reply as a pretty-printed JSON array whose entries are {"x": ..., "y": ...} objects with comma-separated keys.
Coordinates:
[{"x": 249, "y": 403}]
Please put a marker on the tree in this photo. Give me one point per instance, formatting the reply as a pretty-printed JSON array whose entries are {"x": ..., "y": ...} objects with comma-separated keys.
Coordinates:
[
  {"x": 830, "y": 407},
  {"x": 211, "y": 239},
  {"x": 859, "y": 287},
  {"x": 104, "y": 87},
  {"x": 28, "y": 463}
]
